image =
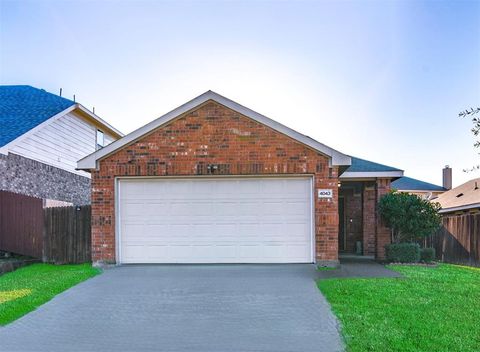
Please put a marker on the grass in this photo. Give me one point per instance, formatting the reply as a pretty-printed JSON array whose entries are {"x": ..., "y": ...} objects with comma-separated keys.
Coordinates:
[
  {"x": 27, "y": 288},
  {"x": 430, "y": 309}
]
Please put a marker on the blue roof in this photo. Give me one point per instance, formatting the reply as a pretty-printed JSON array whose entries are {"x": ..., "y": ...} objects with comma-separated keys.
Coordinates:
[
  {"x": 410, "y": 184},
  {"x": 361, "y": 165},
  {"x": 24, "y": 107}
]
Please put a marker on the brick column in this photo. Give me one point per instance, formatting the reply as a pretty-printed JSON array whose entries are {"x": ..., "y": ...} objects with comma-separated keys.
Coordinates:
[
  {"x": 383, "y": 232},
  {"x": 326, "y": 220},
  {"x": 369, "y": 205}
]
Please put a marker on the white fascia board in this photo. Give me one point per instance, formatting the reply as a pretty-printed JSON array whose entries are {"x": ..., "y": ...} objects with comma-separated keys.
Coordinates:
[
  {"x": 100, "y": 120},
  {"x": 4, "y": 150},
  {"x": 90, "y": 161},
  {"x": 371, "y": 174},
  {"x": 459, "y": 208}
]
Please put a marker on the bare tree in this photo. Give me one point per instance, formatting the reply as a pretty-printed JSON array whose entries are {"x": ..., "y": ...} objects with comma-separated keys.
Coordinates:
[{"x": 472, "y": 114}]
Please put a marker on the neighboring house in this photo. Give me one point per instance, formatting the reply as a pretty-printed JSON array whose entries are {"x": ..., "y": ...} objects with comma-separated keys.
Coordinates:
[
  {"x": 462, "y": 199},
  {"x": 422, "y": 189},
  {"x": 215, "y": 182},
  {"x": 42, "y": 137}
]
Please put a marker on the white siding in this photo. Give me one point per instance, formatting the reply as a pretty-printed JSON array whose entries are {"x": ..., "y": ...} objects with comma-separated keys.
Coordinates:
[
  {"x": 108, "y": 139},
  {"x": 61, "y": 143}
]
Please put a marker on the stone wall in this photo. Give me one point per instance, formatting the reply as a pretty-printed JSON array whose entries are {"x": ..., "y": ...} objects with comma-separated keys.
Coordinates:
[{"x": 26, "y": 176}]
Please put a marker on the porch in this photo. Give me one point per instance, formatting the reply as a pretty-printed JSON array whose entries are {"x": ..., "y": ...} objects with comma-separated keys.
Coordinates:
[{"x": 361, "y": 232}]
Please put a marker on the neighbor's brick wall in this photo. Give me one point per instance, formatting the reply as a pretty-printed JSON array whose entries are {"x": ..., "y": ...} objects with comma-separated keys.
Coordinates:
[
  {"x": 33, "y": 178},
  {"x": 213, "y": 134}
]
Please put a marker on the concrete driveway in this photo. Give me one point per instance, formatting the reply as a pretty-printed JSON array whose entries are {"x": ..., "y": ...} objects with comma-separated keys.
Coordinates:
[{"x": 201, "y": 308}]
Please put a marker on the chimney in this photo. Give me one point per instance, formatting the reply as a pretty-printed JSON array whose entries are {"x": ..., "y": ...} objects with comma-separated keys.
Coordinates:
[{"x": 447, "y": 177}]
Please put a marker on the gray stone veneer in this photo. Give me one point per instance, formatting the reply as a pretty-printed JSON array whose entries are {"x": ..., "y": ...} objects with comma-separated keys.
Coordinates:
[{"x": 26, "y": 176}]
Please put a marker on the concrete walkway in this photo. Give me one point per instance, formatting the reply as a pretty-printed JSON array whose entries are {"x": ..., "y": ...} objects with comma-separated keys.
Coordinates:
[
  {"x": 358, "y": 267},
  {"x": 201, "y": 308}
]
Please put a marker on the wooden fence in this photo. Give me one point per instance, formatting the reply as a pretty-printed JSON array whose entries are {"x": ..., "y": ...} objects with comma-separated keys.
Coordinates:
[
  {"x": 21, "y": 224},
  {"x": 56, "y": 235},
  {"x": 458, "y": 240}
]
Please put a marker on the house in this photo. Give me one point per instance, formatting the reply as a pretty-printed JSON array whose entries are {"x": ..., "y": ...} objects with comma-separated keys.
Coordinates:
[
  {"x": 42, "y": 137},
  {"x": 462, "y": 199},
  {"x": 423, "y": 189},
  {"x": 420, "y": 188},
  {"x": 215, "y": 182}
]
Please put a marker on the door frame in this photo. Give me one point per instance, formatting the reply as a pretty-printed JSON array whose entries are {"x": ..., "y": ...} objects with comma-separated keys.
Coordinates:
[
  {"x": 344, "y": 222},
  {"x": 117, "y": 192}
]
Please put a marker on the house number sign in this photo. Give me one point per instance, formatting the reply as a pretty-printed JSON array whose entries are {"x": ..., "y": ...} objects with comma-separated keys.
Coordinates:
[{"x": 325, "y": 193}]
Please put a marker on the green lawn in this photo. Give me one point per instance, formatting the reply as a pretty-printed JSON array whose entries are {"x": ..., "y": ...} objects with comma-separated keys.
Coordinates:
[
  {"x": 430, "y": 309},
  {"x": 27, "y": 288}
]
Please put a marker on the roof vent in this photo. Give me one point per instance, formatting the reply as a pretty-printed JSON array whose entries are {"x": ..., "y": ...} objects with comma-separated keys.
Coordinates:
[
  {"x": 476, "y": 187},
  {"x": 459, "y": 195}
]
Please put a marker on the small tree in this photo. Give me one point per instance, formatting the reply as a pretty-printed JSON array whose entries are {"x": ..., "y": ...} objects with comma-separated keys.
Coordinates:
[
  {"x": 472, "y": 114},
  {"x": 409, "y": 216}
]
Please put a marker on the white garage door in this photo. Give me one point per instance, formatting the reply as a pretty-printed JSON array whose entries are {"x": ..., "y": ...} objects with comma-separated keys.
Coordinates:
[{"x": 221, "y": 220}]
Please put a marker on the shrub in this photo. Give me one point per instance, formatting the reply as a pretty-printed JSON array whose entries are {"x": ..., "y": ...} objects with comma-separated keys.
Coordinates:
[
  {"x": 410, "y": 217},
  {"x": 403, "y": 252},
  {"x": 427, "y": 255}
]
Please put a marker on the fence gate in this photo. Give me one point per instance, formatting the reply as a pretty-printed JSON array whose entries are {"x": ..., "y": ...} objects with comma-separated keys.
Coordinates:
[{"x": 67, "y": 235}]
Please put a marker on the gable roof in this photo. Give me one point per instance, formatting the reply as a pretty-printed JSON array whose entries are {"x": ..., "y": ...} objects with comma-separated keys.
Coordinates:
[
  {"x": 361, "y": 168},
  {"x": 411, "y": 184},
  {"x": 24, "y": 107},
  {"x": 465, "y": 196},
  {"x": 90, "y": 161}
]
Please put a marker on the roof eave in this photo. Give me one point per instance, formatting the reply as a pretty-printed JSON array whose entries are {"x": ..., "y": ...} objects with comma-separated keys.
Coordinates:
[
  {"x": 418, "y": 190},
  {"x": 101, "y": 121},
  {"x": 458, "y": 208},
  {"x": 351, "y": 175}
]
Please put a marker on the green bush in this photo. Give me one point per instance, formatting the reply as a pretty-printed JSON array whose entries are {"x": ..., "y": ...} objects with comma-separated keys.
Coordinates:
[
  {"x": 403, "y": 252},
  {"x": 410, "y": 217},
  {"x": 427, "y": 255}
]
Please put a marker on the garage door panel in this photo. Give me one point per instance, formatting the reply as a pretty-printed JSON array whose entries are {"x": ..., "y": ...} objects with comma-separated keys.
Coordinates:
[{"x": 249, "y": 220}]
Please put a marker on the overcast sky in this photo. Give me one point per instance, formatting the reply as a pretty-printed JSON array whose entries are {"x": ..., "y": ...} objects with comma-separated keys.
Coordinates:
[{"x": 381, "y": 80}]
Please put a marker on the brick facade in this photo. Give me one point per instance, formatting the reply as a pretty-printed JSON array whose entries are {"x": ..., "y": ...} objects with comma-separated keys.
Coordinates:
[{"x": 236, "y": 145}]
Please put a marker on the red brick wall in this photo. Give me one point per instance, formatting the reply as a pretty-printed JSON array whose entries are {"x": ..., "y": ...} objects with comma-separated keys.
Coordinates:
[
  {"x": 213, "y": 134},
  {"x": 369, "y": 218},
  {"x": 375, "y": 234}
]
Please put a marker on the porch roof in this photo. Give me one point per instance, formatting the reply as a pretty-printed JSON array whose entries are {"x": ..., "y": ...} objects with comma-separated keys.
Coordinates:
[{"x": 365, "y": 169}]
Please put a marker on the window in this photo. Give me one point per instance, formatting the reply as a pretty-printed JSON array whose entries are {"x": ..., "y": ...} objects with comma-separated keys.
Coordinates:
[{"x": 100, "y": 139}]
